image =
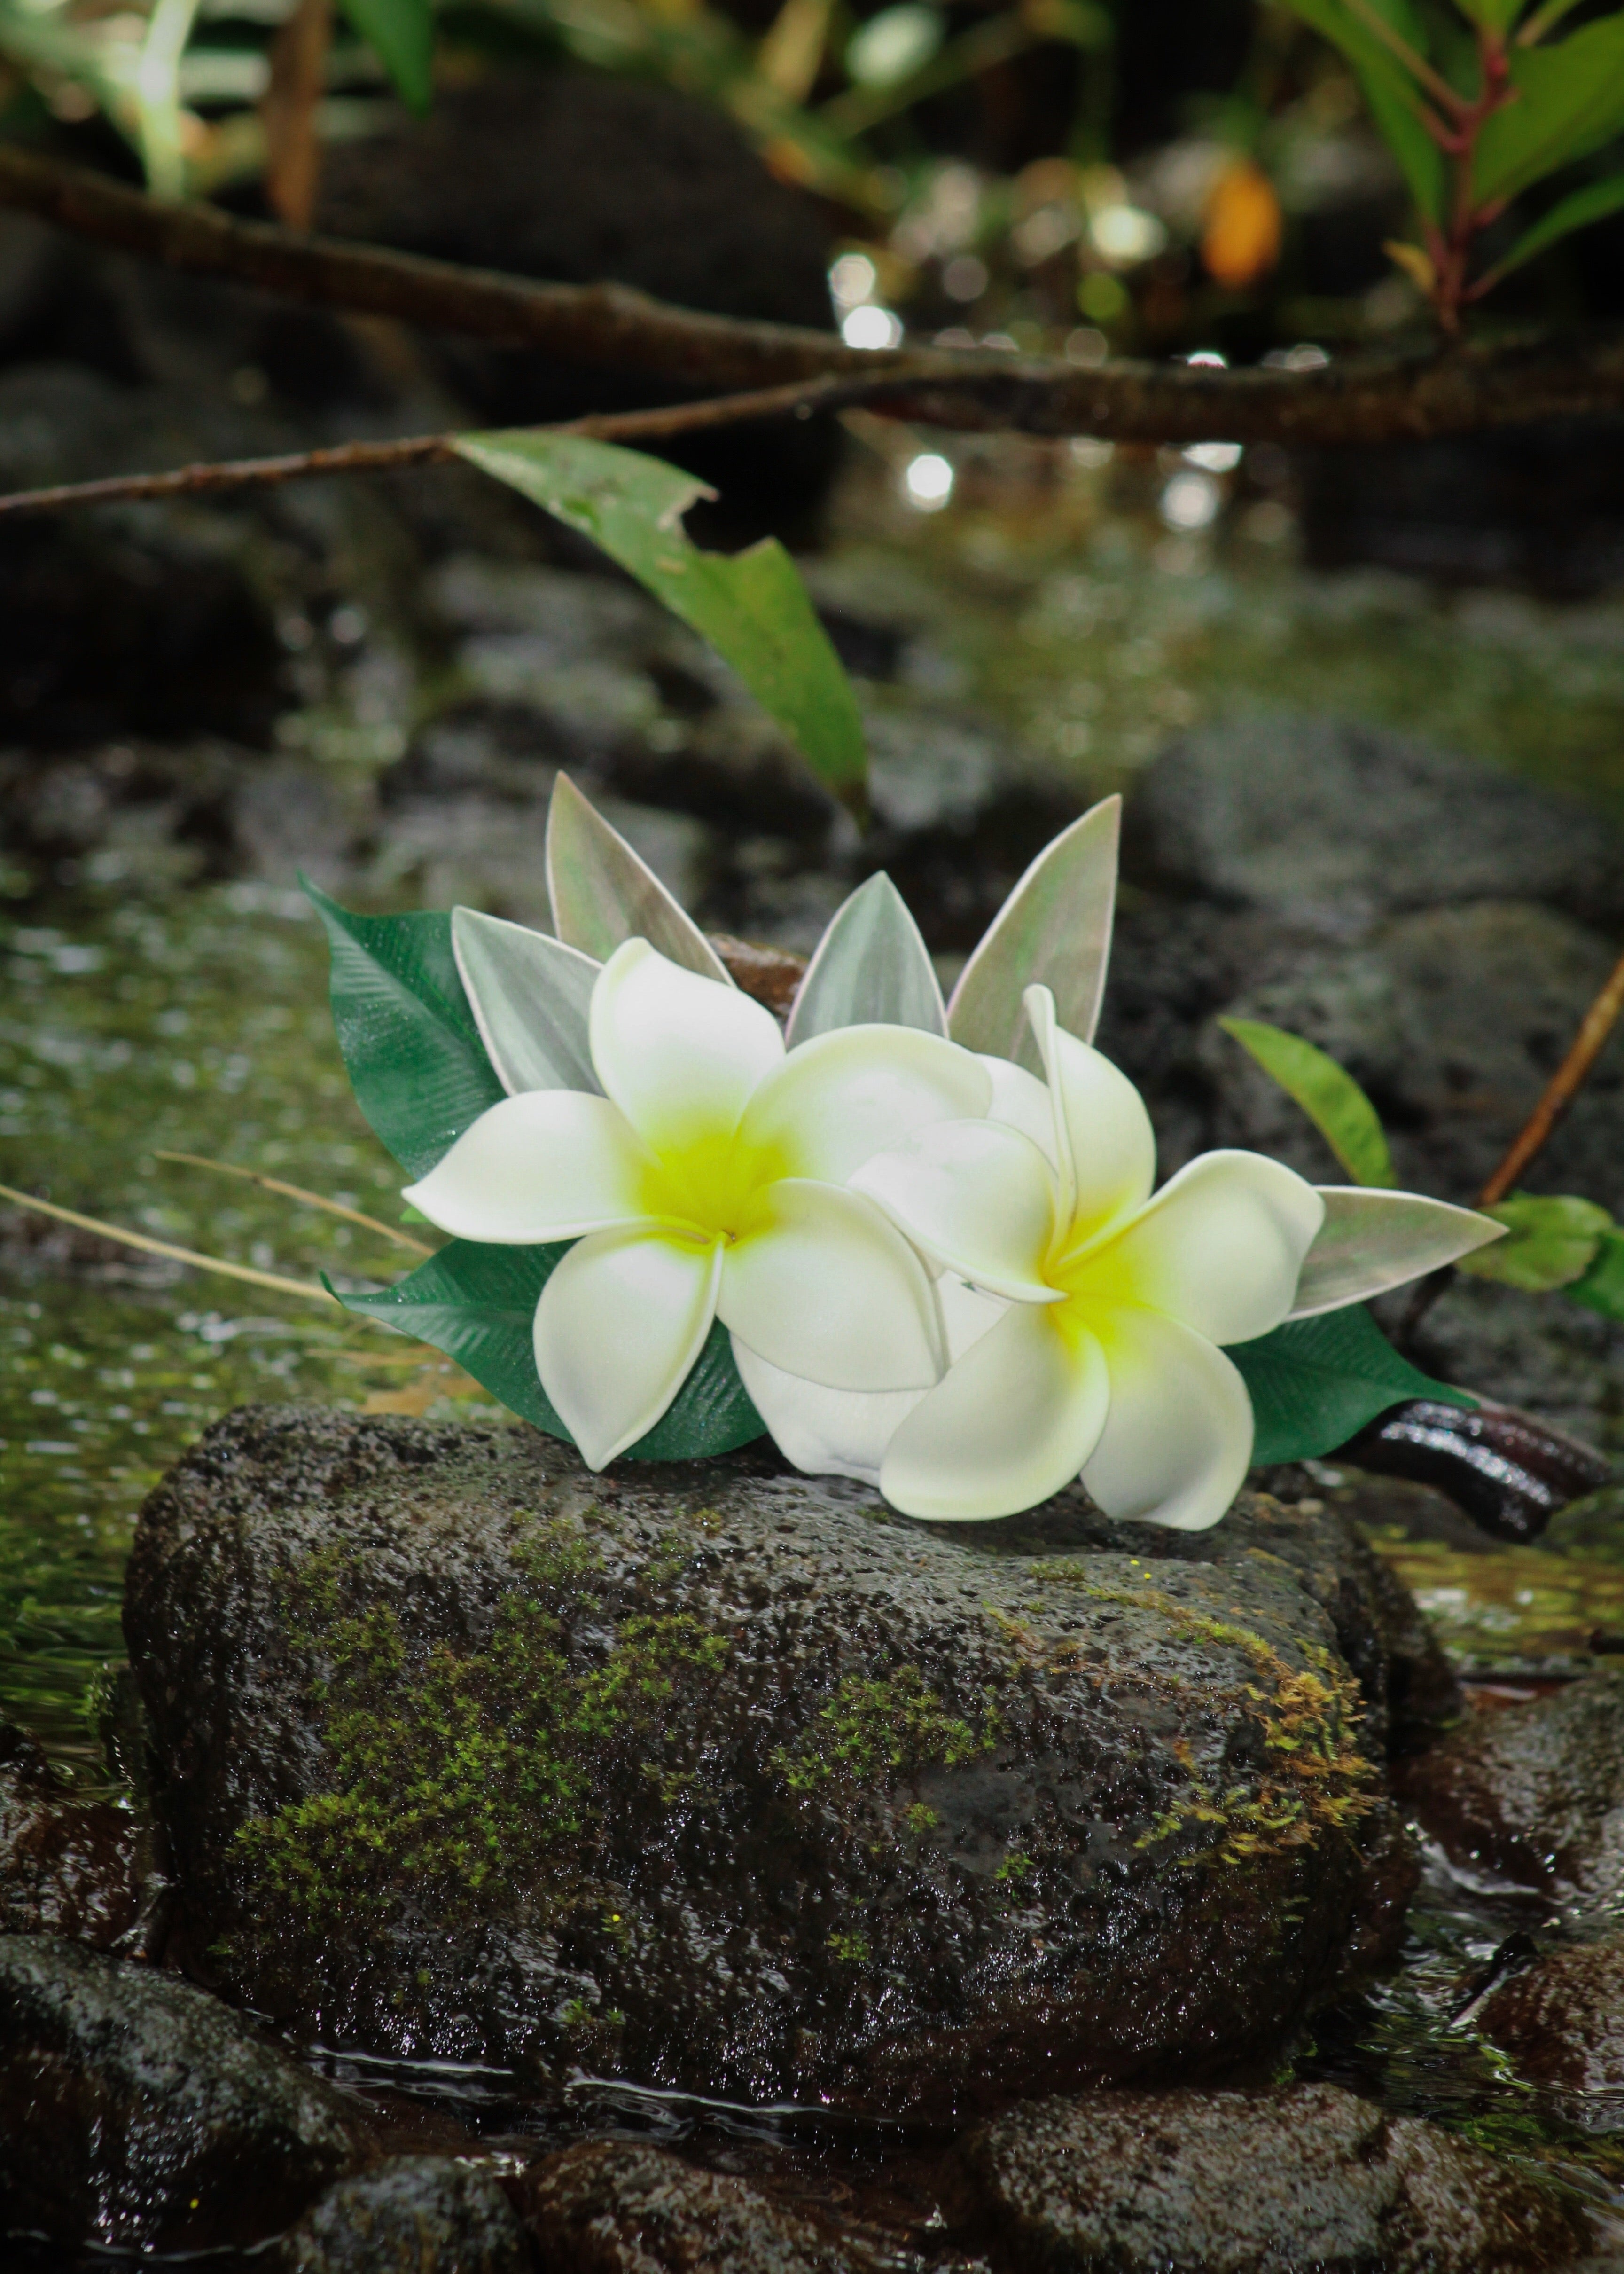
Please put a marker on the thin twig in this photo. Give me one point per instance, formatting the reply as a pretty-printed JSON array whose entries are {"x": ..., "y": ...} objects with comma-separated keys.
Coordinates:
[
  {"x": 1362, "y": 399},
  {"x": 1560, "y": 1091},
  {"x": 429, "y": 449},
  {"x": 298, "y": 1193},
  {"x": 306, "y": 1287}
]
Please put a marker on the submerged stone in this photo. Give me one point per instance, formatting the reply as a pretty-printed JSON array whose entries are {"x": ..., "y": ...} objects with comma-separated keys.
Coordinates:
[
  {"x": 67, "y": 1866},
  {"x": 137, "y": 2112},
  {"x": 405, "y": 2216},
  {"x": 1562, "y": 2021},
  {"x": 617, "y": 2207},
  {"x": 724, "y": 1778},
  {"x": 1533, "y": 1792},
  {"x": 1255, "y": 2183}
]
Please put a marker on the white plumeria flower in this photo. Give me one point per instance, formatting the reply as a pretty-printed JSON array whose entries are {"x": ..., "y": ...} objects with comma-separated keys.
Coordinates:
[
  {"x": 1106, "y": 1362},
  {"x": 707, "y": 1181}
]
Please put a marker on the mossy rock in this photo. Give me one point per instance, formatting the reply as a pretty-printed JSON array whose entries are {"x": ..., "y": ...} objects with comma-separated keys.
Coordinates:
[{"x": 722, "y": 1779}]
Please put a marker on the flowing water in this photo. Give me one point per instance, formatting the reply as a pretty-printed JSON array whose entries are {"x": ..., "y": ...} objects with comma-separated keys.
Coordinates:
[{"x": 138, "y": 1019}]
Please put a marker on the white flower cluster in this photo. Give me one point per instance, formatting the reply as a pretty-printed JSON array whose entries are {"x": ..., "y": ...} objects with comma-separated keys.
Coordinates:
[{"x": 944, "y": 1271}]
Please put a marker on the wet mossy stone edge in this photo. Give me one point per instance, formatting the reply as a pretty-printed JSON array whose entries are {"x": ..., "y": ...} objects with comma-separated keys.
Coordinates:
[{"x": 722, "y": 1779}]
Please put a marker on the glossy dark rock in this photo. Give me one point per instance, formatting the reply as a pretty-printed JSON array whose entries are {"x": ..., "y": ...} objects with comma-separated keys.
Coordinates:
[
  {"x": 1533, "y": 1792},
  {"x": 726, "y": 1778},
  {"x": 136, "y": 2110},
  {"x": 617, "y": 2207},
  {"x": 1562, "y": 2021},
  {"x": 67, "y": 1867},
  {"x": 1254, "y": 2183},
  {"x": 407, "y": 2214}
]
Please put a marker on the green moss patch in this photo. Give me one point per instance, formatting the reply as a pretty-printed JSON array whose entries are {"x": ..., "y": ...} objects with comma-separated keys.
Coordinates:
[{"x": 874, "y": 1731}]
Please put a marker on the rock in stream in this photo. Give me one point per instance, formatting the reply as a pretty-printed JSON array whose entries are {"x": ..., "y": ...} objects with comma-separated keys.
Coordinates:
[{"x": 722, "y": 1779}]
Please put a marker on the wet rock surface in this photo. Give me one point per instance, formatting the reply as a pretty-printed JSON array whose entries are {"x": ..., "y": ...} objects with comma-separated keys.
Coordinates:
[
  {"x": 1263, "y": 2183},
  {"x": 754, "y": 1789},
  {"x": 137, "y": 2112},
  {"x": 615, "y": 2207},
  {"x": 406, "y": 2215},
  {"x": 67, "y": 1867},
  {"x": 1534, "y": 1793},
  {"x": 1562, "y": 2021}
]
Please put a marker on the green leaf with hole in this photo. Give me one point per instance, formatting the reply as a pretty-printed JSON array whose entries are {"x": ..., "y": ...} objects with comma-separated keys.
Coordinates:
[
  {"x": 1570, "y": 102},
  {"x": 401, "y": 34},
  {"x": 1578, "y": 211},
  {"x": 1551, "y": 1241},
  {"x": 1388, "y": 86},
  {"x": 413, "y": 1053},
  {"x": 1315, "y": 1382},
  {"x": 1329, "y": 1096},
  {"x": 752, "y": 607},
  {"x": 478, "y": 1304},
  {"x": 1602, "y": 1287}
]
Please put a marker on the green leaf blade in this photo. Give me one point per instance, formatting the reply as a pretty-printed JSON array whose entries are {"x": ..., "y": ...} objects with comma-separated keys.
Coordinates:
[
  {"x": 476, "y": 1303},
  {"x": 1328, "y": 1094},
  {"x": 1390, "y": 90},
  {"x": 1551, "y": 1240},
  {"x": 751, "y": 606},
  {"x": 1315, "y": 1382},
  {"x": 1602, "y": 1287},
  {"x": 415, "y": 1059},
  {"x": 402, "y": 32},
  {"x": 1055, "y": 929},
  {"x": 1578, "y": 211},
  {"x": 1570, "y": 101}
]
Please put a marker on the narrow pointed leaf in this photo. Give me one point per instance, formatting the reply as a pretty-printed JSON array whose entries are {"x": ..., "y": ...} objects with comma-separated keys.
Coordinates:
[
  {"x": 1578, "y": 211},
  {"x": 871, "y": 968},
  {"x": 1570, "y": 101},
  {"x": 752, "y": 607},
  {"x": 1054, "y": 930},
  {"x": 1315, "y": 1382},
  {"x": 603, "y": 892},
  {"x": 478, "y": 1305},
  {"x": 530, "y": 997},
  {"x": 1553, "y": 1238},
  {"x": 1391, "y": 90},
  {"x": 402, "y": 33},
  {"x": 410, "y": 1042},
  {"x": 1326, "y": 1093},
  {"x": 1373, "y": 1240}
]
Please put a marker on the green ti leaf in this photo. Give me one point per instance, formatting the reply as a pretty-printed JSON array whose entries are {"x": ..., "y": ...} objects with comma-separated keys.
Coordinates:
[
  {"x": 478, "y": 1304},
  {"x": 752, "y": 607},
  {"x": 1390, "y": 89},
  {"x": 1315, "y": 1382},
  {"x": 1576, "y": 211},
  {"x": 1551, "y": 1241},
  {"x": 1329, "y": 1097},
  {"x": 413, "y": 1053},
  {"x": 401, "y": 34},
  {"x": 1570, "y": 101},
  {"x": 1602, "y": 1287},
  {"x": 1493, "y": 15}
]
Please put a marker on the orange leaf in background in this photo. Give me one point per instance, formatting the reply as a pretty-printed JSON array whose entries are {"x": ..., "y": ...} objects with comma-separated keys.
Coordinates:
[{"x": 1241, "y": 240}]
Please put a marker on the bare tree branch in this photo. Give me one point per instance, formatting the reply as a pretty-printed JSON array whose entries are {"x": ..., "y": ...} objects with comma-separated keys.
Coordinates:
[{"x": 1370, "y": 398}]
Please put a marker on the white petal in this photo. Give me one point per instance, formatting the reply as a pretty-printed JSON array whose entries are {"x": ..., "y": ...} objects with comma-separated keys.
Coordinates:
[
  {"x": 1220, "y": 1247},
  {"x": 1177, "y": 1440},
  {"x": 679, "y": 1055},
  {"x": 619, "y": 1326},
  {"x": 829, "y": 1290},
  {"x": 1101, "y": 1128},
  {"x": 870, "y": 968},
  {"x": 1372, "y": 1240},
  {"x": 1010, "y": 1423},
  {"x": 844, "y": 1433},
  {"x": 548, "y": 1164},
  {"x": 1022, "y": 1102},
  {"x": 1054, "y": 929},
  {"x": 603, "y": 892},
  {"x": 842, "y": 1098},
  {"x": 529, "y": 996},
  {"x": 978, "y": 1197}
]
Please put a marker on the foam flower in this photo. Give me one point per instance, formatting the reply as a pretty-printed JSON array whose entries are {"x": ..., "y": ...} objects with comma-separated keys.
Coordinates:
[
  {"x": 707, "y": 1180},
  {"x": 1107, "y": 1362}
]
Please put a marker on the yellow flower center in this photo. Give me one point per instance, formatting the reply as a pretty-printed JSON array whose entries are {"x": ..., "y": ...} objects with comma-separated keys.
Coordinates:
[{"x": 714, "y": 1188}]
